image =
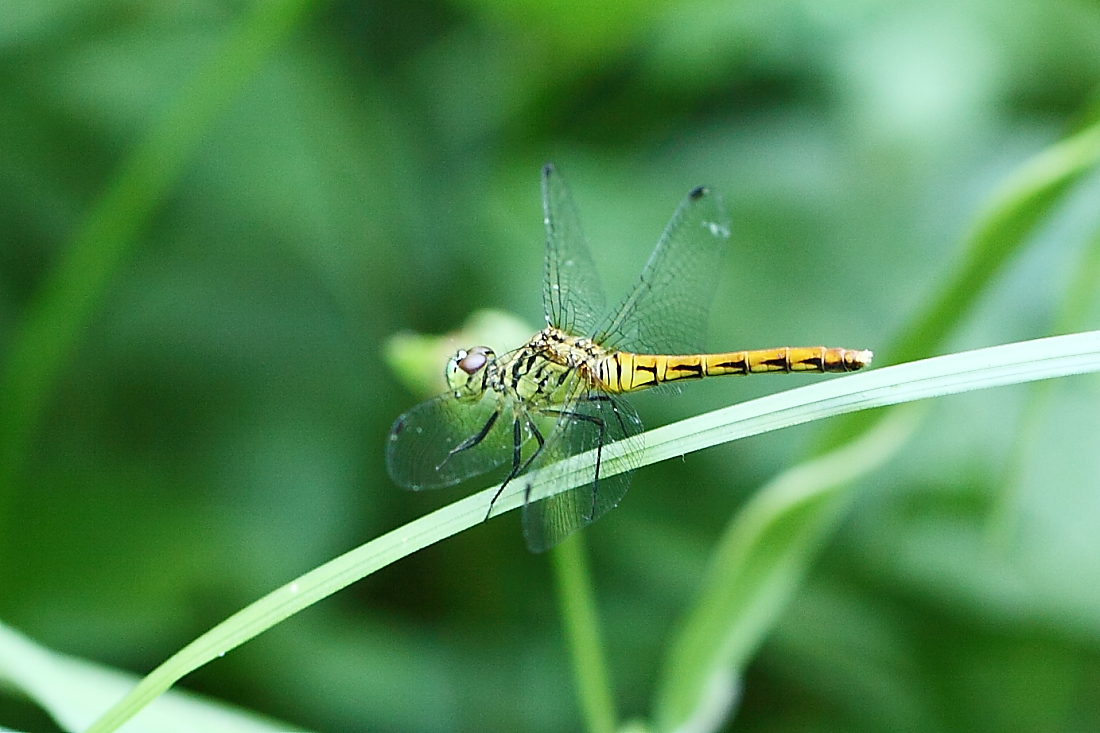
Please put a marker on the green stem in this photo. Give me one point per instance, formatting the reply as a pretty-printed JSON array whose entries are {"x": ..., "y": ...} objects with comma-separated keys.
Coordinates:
[{"x": 578, "y": 611}]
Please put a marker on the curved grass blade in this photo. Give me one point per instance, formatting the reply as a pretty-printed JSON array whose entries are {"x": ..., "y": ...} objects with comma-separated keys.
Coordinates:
[
  {"x": 1000, "y": 231},
  {"x": 1082, "y": 294},
  {"x": 1002, "y": 228},
  {"x": 754, "y": 570},
  {"x": 687, "y": 693},
  {"x": 74, "y": 691},
  {"x": 997, "y": 366}
]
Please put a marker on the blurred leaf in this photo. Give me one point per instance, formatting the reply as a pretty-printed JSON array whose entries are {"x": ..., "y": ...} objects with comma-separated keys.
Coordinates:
[
  {"x": 1001, "y": 230},
  {"x": 579, "y": 29},
  {"x": 23, "y": 20},
  {"x": 723, "y": 628},
  {"x": 858, "y": 653},
  {"x": 74, "y": 692},
  {"x": 73, "y": 290},
  {"x": 755, "y": 568},
  {"x": 1080, "y": 299},
  {"x": 417, "y": 359}
]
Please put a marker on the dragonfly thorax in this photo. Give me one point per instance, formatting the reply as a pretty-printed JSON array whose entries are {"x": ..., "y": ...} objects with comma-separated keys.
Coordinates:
[
  {"x": 547, "y": 371},
  {"x": 569, "y": 351},
  {"x": 468, "y": 372}
]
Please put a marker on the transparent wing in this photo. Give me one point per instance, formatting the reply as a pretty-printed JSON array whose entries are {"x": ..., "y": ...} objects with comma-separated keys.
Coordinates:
[
  {"x": 572, "y": 295},
  {"x": 666, "y": 312},
  {"x": 423, "y": 448},
  {"x": 594, "y": 421}
]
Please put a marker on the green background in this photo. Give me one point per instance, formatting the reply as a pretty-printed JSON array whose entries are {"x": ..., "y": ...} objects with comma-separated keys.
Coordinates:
[{"x": 216, "y": 426}]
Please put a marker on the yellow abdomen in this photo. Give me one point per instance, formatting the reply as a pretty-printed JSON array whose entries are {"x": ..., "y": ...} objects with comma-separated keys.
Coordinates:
[{"x": 623, "y": 371}]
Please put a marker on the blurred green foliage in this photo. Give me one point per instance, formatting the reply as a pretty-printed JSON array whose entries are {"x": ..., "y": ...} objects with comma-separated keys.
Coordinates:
[{"x": 216, "y": 426}]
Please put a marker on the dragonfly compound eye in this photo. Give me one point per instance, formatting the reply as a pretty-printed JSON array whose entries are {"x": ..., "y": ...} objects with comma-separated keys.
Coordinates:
[
  {"x": 474, "y": 360},
  {"x": 463, "y": 369}
]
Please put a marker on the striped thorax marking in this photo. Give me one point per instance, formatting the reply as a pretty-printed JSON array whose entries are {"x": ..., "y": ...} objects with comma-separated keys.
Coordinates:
[{"x": 548, "y": 370}]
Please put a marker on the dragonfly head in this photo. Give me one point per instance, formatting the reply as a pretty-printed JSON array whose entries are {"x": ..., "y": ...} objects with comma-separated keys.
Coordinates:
[{"x": 466, "y": 372}]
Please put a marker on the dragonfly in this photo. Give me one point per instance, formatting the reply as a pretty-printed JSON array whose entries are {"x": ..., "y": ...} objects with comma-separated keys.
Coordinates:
[{"x": 560, "y": 394}]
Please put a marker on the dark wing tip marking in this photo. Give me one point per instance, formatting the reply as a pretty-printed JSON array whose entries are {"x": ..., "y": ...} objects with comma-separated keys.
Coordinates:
[{"x": 698, "y": 192}]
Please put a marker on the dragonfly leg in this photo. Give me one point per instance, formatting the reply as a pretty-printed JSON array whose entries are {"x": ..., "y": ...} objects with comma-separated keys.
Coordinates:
[
  {"x": 624, "y": 430},
  {"x": 517, "y": 452},
  {"x": 614, "y": 409},
  {"x": 473, "y": 439},
  {"x": 602, "y": 426}
]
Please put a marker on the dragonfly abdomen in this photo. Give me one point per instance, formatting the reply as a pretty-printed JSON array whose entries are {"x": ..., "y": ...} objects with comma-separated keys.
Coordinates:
[{"x": 623, "y": 371}]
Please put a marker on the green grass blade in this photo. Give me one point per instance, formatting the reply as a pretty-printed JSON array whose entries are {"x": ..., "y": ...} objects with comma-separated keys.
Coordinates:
[
  {"x": 755, "y": 568},
  {"x": 73, "y": 289},
  {"x": 768, "y": 546},
  {"x": 74, "y": 691},
  {"x": 1080, "y": 297},
  {"x": 984, "y": 368},
  {"x": 1083, "y": 292},
  {"x": 1022, "y": 201},
  {"x": 1001, "y": 230},
  {"x": 582, "y": 629},
  {"x": 691, "y": 680}
]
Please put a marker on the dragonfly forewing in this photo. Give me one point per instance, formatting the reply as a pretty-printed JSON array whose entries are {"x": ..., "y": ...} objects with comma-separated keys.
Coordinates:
[
  {"x": 572, "y": 294},
  {"x": 666, "y": 311},
  {"x": 444, "y": 441},
  {"x": 593, "y": 422}
]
